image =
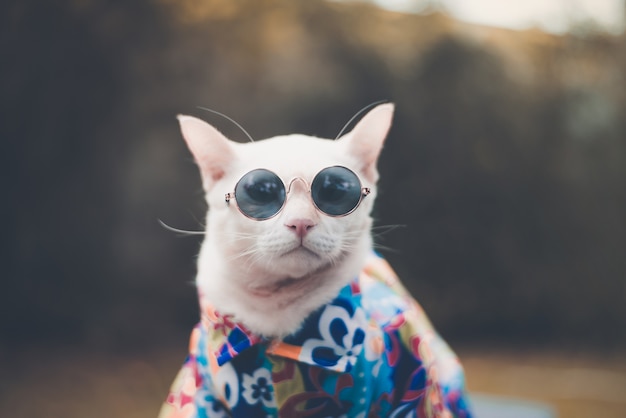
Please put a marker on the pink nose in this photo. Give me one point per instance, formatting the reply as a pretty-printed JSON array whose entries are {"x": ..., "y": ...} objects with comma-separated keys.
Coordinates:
[{"x": 300, "y": 226}]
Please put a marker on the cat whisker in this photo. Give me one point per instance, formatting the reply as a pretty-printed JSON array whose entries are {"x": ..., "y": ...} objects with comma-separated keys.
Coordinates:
[
  {"x": 385, "y": 248},
  {"x": 346, "y": 247},
  {"x": 252, "y": 257},
  {"x": 236, "y": 237},
  {"x": 258, "y": 257},
  {"x": 369, "y": 106},
  {"x": 230, "y": 119},
  {"x": 252, "y": 250},
  {"x": 238, "y": 234},
  {"x": 334, "y": 261},
  {"x": 388, "y": 227},
  {"x": 380, "y": 230},
  {"x": 180, "y": 231}
]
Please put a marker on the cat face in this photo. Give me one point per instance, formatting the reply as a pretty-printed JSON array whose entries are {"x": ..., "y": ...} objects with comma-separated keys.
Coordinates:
[
  {"x": 300, "y": 239},
  {"x": 279, "y": 256}
]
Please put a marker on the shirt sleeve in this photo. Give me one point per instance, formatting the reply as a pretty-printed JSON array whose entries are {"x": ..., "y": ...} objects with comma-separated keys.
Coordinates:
[{"x": 180, "y": 400}]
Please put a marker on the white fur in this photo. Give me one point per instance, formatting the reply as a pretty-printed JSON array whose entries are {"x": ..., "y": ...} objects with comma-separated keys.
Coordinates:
[{"x": 261, "y": 272}]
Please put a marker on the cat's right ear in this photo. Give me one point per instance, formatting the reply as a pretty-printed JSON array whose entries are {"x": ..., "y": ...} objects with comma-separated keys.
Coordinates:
[
  {"x": 366, "y": 140},
  {"x": 212, "y": 151}
]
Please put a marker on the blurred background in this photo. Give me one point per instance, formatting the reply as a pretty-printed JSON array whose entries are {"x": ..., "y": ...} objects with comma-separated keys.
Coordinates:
[{"x": 504, "y": 171}]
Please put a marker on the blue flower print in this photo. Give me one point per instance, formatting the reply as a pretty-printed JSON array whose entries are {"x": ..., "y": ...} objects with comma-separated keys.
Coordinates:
[
  {"x": 342, "y": 340},
  {"x": 258, "y": 388}
]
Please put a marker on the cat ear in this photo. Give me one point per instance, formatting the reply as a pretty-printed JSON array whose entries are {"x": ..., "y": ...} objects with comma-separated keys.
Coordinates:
[
  {"x": 212, "y": 151},
  {"x": 365, "y": 141}
]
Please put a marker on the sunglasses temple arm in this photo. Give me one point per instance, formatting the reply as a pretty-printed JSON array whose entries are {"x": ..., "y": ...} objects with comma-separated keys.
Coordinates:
[{"x": 229, "y": 196}]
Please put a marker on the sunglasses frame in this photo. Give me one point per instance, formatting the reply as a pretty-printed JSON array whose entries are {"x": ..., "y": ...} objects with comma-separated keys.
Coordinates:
[{"x": 364, "y": 192}]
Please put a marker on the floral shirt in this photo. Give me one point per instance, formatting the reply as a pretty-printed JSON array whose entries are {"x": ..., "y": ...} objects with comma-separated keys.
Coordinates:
[{"x": 371, "y": 352}]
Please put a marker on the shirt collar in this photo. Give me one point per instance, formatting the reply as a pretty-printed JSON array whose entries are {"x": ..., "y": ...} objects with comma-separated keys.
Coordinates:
[{"x": 225, "y": 337}]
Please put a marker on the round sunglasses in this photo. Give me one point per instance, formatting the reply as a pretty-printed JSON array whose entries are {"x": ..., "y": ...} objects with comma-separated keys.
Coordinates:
[{"x": 261, "y": 194}]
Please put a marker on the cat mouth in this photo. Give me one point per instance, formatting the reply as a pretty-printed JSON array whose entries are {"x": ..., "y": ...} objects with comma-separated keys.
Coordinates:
[{"x": 301, "y": 250}]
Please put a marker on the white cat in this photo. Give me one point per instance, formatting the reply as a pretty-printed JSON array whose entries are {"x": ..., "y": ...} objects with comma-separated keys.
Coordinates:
[
  {"x": 296, "y": 261},
  {"x": 287, "y": 275}
]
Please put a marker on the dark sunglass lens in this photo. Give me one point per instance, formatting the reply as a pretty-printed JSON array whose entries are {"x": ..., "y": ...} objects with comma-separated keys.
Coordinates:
[
  {"x": 260, "y": 194},
  {"x": 336, "y": 191}
]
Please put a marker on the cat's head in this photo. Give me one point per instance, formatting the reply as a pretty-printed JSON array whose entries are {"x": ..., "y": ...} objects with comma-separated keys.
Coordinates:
[{"x": 276, "y": 256}]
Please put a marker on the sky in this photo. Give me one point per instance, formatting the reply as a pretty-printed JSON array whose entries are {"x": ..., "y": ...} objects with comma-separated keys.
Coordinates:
[{"x": 554, "y": 16}]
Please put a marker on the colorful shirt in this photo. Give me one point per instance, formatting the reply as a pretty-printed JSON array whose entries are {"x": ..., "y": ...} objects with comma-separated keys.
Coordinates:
[{"x": 371, "y": 352}]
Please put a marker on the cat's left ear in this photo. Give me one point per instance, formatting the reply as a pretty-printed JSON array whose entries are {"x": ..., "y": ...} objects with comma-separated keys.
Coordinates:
[{"x": 366, "y": 140}]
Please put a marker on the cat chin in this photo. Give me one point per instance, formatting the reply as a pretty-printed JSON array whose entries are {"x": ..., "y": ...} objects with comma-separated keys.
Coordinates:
[
  {"x": 295, "y": 285},
  {"x": 297, "y": 264}
]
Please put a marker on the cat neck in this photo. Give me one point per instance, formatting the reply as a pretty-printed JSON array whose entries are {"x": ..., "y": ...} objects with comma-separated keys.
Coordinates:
[{"x": 279, "y": 309}]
